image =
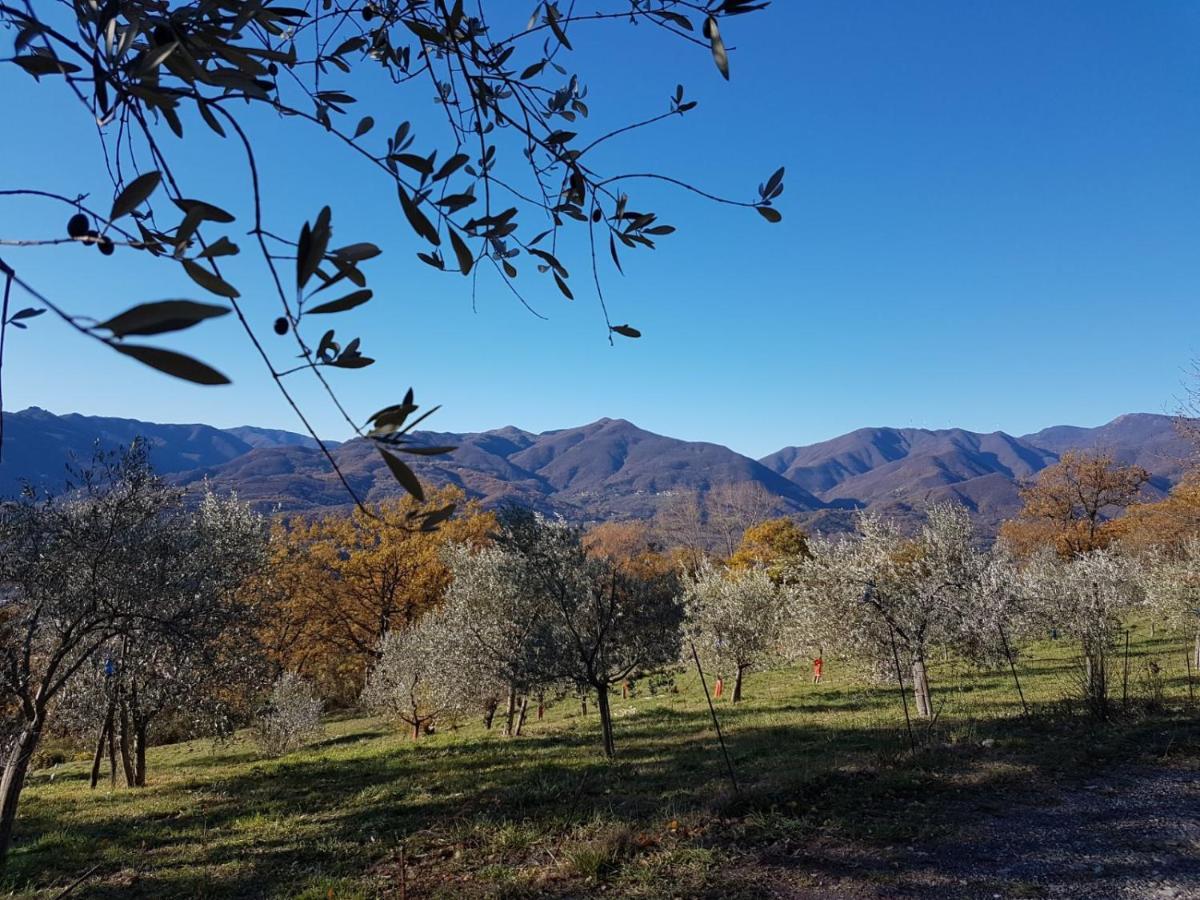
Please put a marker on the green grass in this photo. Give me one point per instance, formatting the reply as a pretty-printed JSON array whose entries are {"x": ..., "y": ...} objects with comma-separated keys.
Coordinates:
[{"x": 477, "y": 815}]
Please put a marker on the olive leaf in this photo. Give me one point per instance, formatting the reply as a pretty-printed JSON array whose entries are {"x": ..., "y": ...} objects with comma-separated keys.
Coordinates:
[
  {"x": 311, "y": 248},
  {"x": 420, "y": 224},
  {"x": 431, "y": 520},
  {"x": 720, "y": 57},
  {"x": 135, "y": 194},
  {"x": 37, "y": 64},
  {"x": 209, "y": 281},
  {"x": 357, "y": 298},
  {"x": 161, "y": 316},
  {"x": 403, "y": 474},
  {"x": 222, "y": 246},
  {"x": 462, "y": 252},
  {"x": 172, "y": 363}
]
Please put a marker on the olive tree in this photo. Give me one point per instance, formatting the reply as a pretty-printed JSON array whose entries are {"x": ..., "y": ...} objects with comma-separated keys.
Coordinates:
[
  {"x": 290, "y": 717},
  {"x": 412, "y": 680},
  {"x": 1086, "y": 597},
  {"x": 71, "y": 582},
  {"x": 607, "y": 623},
  {"x": 508, "y": 178},
  {"x": 199, "y": 659},
  {"x": 736, "y": 619},
  {"x": 498, "y": 631},
  {"x": 1172, "y": 584},
  {"x": 888, "y": 597}
]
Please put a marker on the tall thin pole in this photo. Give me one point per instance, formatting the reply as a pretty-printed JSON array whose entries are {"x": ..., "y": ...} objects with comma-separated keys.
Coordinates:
[
  {"x": 1188, "y": 657},
  {"x": 713, "y": 712},
  {"x": 912, "y": 741},
  {"x": 1012, "y": 665},
  {"x": 1125, "y": 675}
]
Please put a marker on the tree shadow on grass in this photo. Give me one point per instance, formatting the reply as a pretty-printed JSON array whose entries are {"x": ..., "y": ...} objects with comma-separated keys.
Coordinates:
[{"x": 273, "y": 826}]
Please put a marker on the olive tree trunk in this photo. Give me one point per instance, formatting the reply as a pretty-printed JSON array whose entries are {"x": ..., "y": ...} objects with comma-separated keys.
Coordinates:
[
  {"x": 112, "y": 756},
  {"x": 510, "y": 711},
  {"x": 1095, "y": 682},
  {"x": 101, "y": 743},
  {"x": 606, "y": 729},
  {"x": 13, "y": 780},
  {"x": 489, "y": 713},
  {"x": 126, "y": 738},
  {"x": 737, "y": 684},
  {"x": 921, "y": 689},
  {"x": 140, "y": 729}
]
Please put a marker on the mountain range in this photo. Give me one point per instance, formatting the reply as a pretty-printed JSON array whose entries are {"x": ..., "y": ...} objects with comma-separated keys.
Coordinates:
[{"x": 609, "y": 469}]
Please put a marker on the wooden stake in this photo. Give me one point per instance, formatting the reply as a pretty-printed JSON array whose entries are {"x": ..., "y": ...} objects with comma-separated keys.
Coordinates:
[
  {"x": 912, "y": 741},
  {"x": 77, "y": 882},
  {"x": 713, "y": 712},
  {"x": 1012, "y": 665},
  {"x": 1188, "y": 657},
  {"x": 1125, "y": 675}
]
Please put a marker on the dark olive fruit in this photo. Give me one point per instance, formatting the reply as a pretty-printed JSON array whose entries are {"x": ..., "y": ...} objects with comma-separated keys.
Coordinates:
[
  {"x": 106, "y": 245},
  {"x": 163, "y": 35},
  {"x": 281, "y": 325},
  {"x": 368, "y": 13},
  {"x": 77, "y": 225},
  {"x": 597, "y": 215},
  {"x": 272, "y": 69}
]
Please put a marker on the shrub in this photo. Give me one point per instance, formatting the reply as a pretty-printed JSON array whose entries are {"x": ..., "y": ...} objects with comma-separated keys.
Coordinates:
[{"x": 291, "y": 717}]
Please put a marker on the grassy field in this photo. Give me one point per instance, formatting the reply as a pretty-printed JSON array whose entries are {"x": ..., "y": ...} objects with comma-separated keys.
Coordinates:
[{"x": 368, "y": 812}]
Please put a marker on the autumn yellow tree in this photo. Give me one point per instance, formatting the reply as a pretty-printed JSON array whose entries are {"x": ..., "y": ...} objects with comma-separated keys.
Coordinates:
[
  {"x": 1167, "y": 524},
  {"x": 631, "y": 545},
  {"x": 773, "y": 545},
  {"x": 1072, "y": 504},
  {"x": 344, "y": 581}
]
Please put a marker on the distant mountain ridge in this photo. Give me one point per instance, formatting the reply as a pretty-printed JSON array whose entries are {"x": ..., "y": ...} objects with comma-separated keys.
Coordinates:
[
  {"x": 901, "y": 470},
  {"x": 609, "y": 469}
]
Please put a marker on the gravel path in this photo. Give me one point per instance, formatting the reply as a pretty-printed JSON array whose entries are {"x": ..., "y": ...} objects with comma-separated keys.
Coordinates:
[{"x": 1133, "y": 833}]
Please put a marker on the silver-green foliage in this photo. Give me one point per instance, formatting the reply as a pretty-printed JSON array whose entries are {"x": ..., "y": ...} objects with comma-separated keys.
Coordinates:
[{"x": 290, "y": 718}]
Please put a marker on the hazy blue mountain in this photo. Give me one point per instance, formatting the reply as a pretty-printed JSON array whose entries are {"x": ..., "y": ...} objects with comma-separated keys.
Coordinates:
[
  {"x": 607, "y": 469},
  {"x": 272, "y": 437},
  {"x": 1148, "y": 440},
  {"x": 38, "y": 445},
  {"x": 902, "y": 470}
]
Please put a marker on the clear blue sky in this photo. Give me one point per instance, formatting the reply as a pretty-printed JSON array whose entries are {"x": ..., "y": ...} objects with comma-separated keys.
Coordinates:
[{"x": 992, "y": 221}]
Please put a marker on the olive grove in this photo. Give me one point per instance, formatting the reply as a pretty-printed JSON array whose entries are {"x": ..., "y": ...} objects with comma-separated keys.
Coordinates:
[{"x": 117, "y": 591}]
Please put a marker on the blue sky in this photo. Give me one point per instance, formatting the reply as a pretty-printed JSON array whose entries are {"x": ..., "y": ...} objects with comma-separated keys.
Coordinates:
[{"x": 992, "y": 220}]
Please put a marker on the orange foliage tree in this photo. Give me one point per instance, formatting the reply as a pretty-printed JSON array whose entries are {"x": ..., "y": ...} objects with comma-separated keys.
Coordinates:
[
  {"x": 772, "y": 545},
  {"x": 1072, "y": 504},
  {"x": 1167, "y": 524},
  {"x": 631, "y": 545},
  {"x": 343, "y": 581}
]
